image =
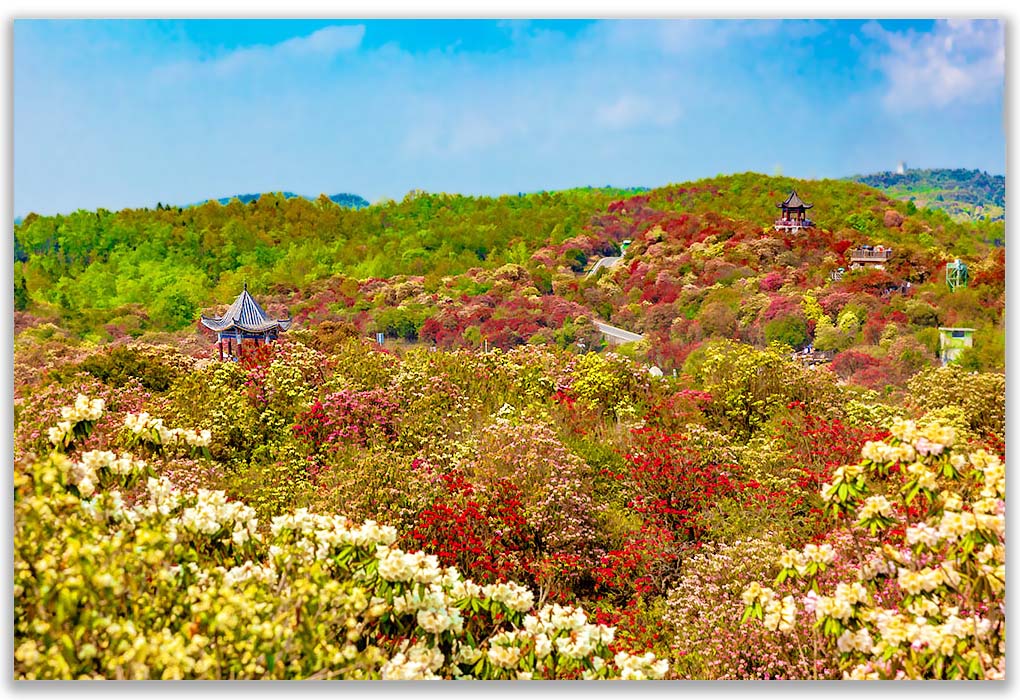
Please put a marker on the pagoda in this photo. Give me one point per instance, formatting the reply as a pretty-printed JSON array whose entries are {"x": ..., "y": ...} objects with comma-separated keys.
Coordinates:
[
  {"x": 794, "y": 215},
  {"x": 244, "y": 320}
]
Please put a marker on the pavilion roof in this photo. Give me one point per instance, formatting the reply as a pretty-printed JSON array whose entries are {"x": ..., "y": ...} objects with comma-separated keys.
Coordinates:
[
  {"x": 246, "y": 315},
  {"x": 794, "y": 202}
]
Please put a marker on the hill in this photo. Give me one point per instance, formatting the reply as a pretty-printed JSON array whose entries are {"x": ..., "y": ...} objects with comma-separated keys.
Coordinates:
[
  {"x": 966, "y": 195},
  {"x": 457, "y": 271}
]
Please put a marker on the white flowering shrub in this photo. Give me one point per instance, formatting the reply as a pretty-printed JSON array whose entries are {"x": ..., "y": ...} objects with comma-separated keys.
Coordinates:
[
  {"x": 159, "y": 582},
  {"x": 927, "y": 598},
  {"x": 76, "y": 421},
  {"x": 142, "y": 430}
]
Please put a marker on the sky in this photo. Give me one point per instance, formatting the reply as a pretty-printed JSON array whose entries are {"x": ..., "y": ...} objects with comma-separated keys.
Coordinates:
[{"x": 128, "y": 113}]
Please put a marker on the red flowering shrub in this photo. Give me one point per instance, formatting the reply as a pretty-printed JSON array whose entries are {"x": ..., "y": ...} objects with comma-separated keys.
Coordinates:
[
  {"x": 849, "y": 362},
  {"x": 672, "y": 482},
  {"x": 483, "y": 532}
]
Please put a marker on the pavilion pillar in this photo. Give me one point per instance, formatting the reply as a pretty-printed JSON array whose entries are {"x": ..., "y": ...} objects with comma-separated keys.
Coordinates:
[{"x": 220, "y": 344}]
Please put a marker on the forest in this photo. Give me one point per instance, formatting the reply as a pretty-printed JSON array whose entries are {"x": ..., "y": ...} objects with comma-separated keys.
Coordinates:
[
  {"x": 967, "y": 195},
  {"x": 493, "y": 492}
]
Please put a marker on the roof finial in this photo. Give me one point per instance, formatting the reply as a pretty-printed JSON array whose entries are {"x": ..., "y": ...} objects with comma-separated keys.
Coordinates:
[{"x": 246, "y": 285}]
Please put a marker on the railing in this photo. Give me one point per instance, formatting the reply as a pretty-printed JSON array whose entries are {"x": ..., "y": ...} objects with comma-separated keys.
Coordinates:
[
  {"x": 862, "y": 254},
  {"x": 782, "y": 224}
]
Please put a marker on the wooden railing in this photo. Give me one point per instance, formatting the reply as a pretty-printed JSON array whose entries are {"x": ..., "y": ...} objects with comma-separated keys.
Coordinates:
[{"x": 860, "y": 254}]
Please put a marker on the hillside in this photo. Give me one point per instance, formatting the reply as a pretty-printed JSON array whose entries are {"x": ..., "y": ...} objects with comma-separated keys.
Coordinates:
[
  {"x": 459, "y": 271},
  {"x": 966, "y": 195}
]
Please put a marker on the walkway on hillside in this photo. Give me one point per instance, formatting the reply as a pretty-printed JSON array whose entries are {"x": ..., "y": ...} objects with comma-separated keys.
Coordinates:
[
  {"x": 616, "y": 336},
  {"x": 607, "y": 263}
]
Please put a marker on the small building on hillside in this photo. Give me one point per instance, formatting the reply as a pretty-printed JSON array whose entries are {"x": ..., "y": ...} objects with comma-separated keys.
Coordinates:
[
  {"x": 244, "y": 320},
  {"x": 870, "y": 256},
  {"x": 952, "y": 343},
  {"x": 794, "y": 216},
  {"x": 957, "y": 275}
]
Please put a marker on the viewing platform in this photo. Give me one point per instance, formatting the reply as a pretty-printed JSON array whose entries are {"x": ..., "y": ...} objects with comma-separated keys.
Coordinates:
[
  {"x": 869, "y": 256},
  {"x": 793, "y": 224}
]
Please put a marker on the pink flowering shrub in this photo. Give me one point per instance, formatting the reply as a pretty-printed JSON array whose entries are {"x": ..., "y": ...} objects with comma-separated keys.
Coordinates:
[
  {"x": 703, "y": 620},
  {"x": 348, "y": 417}
]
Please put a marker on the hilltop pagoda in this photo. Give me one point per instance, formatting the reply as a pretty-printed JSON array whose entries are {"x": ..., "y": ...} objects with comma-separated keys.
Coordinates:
[
  {"x": 244, "y": 320},
  {"x": 794, "y": 215}
]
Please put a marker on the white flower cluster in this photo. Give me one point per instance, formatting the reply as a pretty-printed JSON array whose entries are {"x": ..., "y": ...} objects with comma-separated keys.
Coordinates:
[
  {"x": 855, "y": 641},
  {"x": 874, "y": 507},
  {"x": 994, "y": 472},
  {"x": 926, "y": 579},
  {"x": 932, "y": 438},
  {"x": 848, "y": 473},
  {"x": 416, "y": 663},
  {"x": 505, "y": 649},
  {"x": 82, "y": 410},
  {"x": 894, "y": 629},
  {"x": 431, "y": 607},
  {"x": 884, "y": 453},
  {"x": 212, "y": 512},
  {"x": 85, "y": 473},
  {"x": 925, "y": 476},
  {"x": 639, "y": 668},
  {"x": 925, "y": 534},
  {"x": 156, "y": 431},
  {"x": 510, "y": 594},
  {"x": 797, "y": 561},
  {"x": 779, "y": 614},
  {"x": 326, "y": 532},
  {"x": 842, "y": 604},
  {"x": 249, "y": 571},
  {"x": 398, "y": 565},
  {"x": 163, "y": 497}
]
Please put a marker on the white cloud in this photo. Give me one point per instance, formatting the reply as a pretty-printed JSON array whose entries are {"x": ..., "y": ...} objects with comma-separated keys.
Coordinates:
[
  {"x": 323, "y": 44},
  {"x": 960, "y": 61},
  {"x": 681, "y": 36},
  {"x": 632, "y": 110}
]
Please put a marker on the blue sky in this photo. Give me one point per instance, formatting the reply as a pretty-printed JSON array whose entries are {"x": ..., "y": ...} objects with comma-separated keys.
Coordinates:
[{"x": 127, "y": 113}]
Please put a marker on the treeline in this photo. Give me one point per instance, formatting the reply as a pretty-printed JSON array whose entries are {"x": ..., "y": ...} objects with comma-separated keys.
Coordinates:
[{"x": 90, "y": 267}]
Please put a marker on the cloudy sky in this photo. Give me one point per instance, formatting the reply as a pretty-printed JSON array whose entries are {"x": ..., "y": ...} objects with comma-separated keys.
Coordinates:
[{"x": 128, "y": 113}]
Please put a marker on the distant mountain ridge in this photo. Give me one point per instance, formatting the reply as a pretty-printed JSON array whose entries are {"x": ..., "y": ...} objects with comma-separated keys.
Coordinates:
[
  {"x": 344, "y": 199},
  {"x": 966, "y": 195}
]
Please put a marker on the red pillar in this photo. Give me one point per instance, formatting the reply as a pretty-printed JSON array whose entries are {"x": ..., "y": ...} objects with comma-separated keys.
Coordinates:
[{"x": 220, "y": 344}]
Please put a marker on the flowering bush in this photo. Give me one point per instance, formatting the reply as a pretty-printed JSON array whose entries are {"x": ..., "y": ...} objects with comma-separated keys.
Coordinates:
[
  {"x": 348, "y": 417},
  {"x": 142, "y": 430},
  {"x": 175, "y": 584},
  {"x": 703, "y": 619},
  {"x": 76, "y": 421},
  {"x": 927, "y": 599}
]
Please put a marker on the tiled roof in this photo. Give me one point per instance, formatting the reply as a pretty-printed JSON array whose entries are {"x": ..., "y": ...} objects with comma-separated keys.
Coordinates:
[
  {"x": 794, "y": 202},
  {"x": 246, "y": 315}
]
